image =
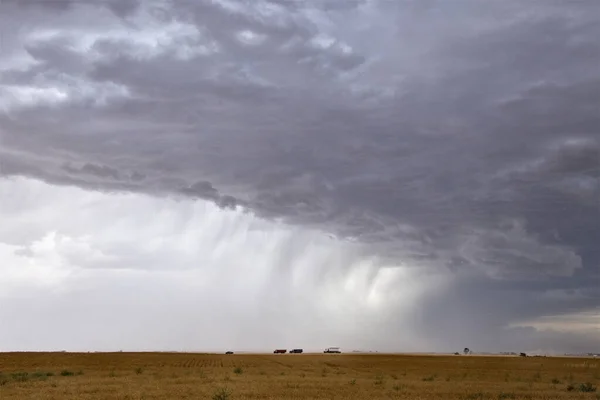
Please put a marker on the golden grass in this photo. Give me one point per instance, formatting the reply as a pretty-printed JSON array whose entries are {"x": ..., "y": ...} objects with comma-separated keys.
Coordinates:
[{"x": 134, "y": 376}]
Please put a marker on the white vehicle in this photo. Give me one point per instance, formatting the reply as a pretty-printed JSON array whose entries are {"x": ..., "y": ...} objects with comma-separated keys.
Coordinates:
[{"x": 332, "y": 350}]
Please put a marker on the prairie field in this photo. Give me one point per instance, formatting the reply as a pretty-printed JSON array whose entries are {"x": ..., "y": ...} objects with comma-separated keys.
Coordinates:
[{"x": 136, "y": 376}]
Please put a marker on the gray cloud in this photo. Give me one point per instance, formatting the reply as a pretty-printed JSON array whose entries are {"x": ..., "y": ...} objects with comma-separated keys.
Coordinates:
[
  {"x": 456, "y": 136},
  {"x": 205, "y": 190},
  {"x": 101, "y": 171}
]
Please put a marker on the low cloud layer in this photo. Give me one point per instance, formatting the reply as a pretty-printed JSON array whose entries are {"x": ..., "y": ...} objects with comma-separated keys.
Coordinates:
[{"x": 454, "y": 140}]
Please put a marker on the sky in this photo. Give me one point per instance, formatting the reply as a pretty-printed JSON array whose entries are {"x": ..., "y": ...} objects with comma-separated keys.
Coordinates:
[{"x": 211, "y": 175}]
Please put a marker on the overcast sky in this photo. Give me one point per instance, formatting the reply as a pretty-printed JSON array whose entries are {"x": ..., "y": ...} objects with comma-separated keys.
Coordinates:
[{"x": 220, "y": 174}]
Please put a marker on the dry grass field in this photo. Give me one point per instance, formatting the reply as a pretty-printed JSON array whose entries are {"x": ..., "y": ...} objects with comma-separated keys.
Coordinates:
[{"x": 45, "y": 376}]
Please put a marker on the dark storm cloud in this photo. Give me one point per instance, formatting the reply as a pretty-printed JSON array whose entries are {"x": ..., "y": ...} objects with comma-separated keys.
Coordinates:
[
  {"x": 205, "y": 190},
  {"x": 48, "y": 5},
  {"x": 101, "y": 171},
  {"x": 123, "y": 8},
  {"x": 462, "y": 136}
]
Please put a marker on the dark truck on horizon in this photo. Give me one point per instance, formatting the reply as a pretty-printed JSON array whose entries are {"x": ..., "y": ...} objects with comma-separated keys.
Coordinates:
[{"x": 296, "y": 351}]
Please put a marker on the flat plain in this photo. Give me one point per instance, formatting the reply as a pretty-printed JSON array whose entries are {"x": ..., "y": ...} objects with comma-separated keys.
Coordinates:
[{"x": 134, "y": 376}]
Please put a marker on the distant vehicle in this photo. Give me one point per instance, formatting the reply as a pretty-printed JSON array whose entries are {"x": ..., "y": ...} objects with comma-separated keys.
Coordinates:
[
  {"x": 229, "y": 352},
  {"x": 522, "y": 355},
  {"x": 296, "y": 351},
  {"x": 332, "y": 350},
  {"x": 280, "y": 351}
]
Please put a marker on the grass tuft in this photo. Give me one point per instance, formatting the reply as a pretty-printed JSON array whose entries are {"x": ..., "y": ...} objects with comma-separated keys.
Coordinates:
[
  {"x": 20, "y": 376},
  {"x": 586, "y": 387},
  {"x": 503, "y": 395},
  {"x": 221, "y": 394},
  {"x": 474, "y": 396},
  {"x": 398, "y": 388}
]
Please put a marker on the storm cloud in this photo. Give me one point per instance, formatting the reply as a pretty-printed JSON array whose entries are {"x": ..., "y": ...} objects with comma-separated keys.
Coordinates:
[{"x": 459, "y": 139}]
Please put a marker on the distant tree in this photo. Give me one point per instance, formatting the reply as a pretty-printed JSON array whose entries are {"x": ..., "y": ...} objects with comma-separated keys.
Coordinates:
[{"x": 466, "y": 350}]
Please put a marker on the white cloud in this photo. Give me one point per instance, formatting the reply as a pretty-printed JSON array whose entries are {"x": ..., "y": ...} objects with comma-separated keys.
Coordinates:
[
  {"x": 69, "y": 89},
  {"x": 249, "y": 37},
  {"x": 116, "y": 266},
  {"x": 14, "y": 95},
  {"x": 586, "y": 322}
]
